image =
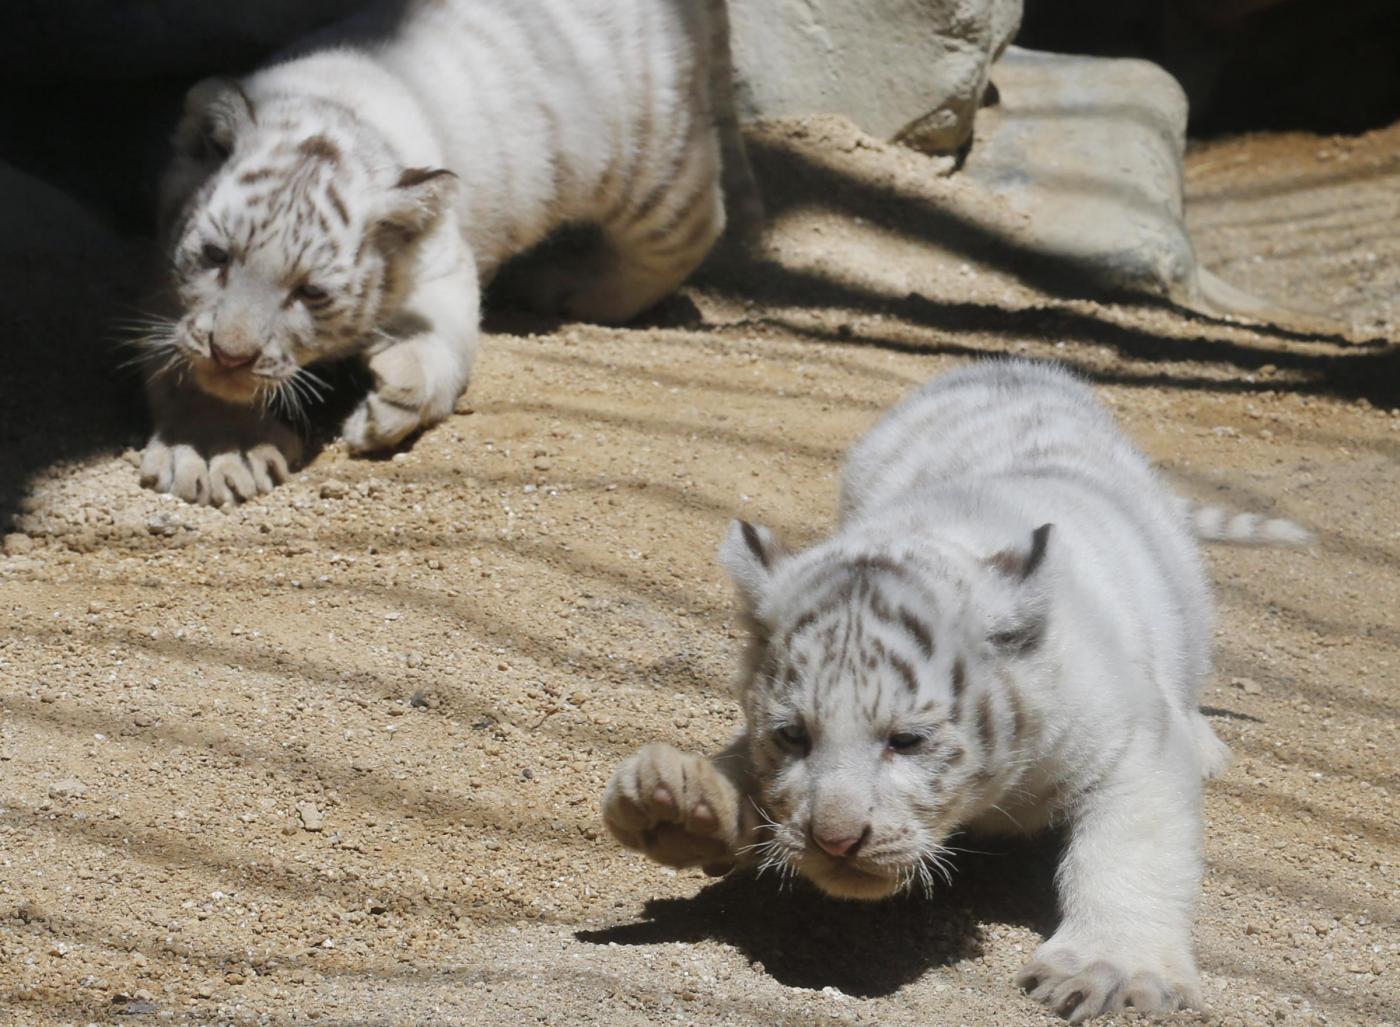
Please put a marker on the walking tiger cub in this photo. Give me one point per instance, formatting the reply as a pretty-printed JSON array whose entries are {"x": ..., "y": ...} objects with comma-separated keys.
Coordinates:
[
  {"x": 1009, "y": 631},
  {"x": 350, "y": 201}
]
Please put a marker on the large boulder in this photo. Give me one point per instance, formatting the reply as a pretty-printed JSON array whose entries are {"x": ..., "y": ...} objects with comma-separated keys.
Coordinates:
[
  {"x": 912, "y": 70},
  {"x": 1085, "y": 155}
]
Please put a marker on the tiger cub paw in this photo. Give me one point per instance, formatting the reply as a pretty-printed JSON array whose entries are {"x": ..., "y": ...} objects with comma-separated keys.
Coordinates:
[
  {"x": 675, "y": 807},
  {"x": 1082, "y": 983},
  {"x": 396, "y": 407},
  {"x": 212, "y": 471}
]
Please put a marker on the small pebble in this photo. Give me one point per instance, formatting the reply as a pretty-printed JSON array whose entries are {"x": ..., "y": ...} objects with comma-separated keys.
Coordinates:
[
  {"x": 1249, "y": 685},
  {"x": 162, "y": 525},
  {"x": 136, "y": 1007},
  {"x": 312, "y": 819},
  {"x": 18, "y": 545},
  {"x": 68, "y": 788}
]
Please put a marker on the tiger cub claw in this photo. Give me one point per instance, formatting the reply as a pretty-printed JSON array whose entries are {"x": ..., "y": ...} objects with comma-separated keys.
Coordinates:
[
  {"x": 1080, "y": 987},
  {"x": 214, "y": 474}
]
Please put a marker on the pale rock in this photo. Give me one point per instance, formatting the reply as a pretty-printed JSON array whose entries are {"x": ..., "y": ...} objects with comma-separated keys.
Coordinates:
[
  {"x": 1085, "y": 155},
  {"x": 16, "y": 544},
  {"x": 912, "y": 70},
  {"x": 68, "y": 788},
  {"x": 1083, "y": 159},
  {"x": 1247, "y": 685},
  {"x": 312, "y": 819}
]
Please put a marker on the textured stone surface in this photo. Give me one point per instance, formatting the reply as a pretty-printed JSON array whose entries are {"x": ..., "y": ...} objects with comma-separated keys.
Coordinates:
[
  {"x": 912, "y": 69},
  {"x": 1085, "y": 154},
  {"x": 39, "y": 219},
  {"x": 130, "y": 39}
]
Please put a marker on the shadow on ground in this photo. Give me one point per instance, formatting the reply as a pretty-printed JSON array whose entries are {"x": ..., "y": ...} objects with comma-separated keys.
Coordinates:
[
  {"x": 63, "y": 394},
  {"x": 1369, "y": 370},
  {"x": 66, "y": 396},
  {"x": 804, "y": 939}
]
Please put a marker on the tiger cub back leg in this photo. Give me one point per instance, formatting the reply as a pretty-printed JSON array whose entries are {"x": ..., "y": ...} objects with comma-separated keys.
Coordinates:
[
  {"x": 646, "y": 259},
  {"x": 643, "y": 252}
]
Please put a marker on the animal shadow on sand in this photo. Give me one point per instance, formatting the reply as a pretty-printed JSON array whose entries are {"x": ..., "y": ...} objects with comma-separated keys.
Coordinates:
[{"x": 804, "y": 939}]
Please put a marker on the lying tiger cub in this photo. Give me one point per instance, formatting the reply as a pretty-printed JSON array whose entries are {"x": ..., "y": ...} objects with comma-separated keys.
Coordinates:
[{"x": 350, "y": 201}]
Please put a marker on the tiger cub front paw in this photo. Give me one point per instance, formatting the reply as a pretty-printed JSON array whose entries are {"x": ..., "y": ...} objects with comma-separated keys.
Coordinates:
[
  {"x": 220, "y": 471},
  {"x": 675, "y": 807},
  {"x": 396, "y": 407},
  {"x": 1082, "y": 982},
  {"x": 416, "y": 384}
]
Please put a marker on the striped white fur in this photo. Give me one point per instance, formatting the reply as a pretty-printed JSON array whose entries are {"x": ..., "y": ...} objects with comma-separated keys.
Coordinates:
[
  {"x": 1229, "y": 527},
  {"x": 1009, "y": 631},
  {"x": 353, "y": 199}
]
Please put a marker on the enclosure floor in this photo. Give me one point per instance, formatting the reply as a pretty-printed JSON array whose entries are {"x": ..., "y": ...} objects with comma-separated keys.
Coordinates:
[{"x": 440, "y": 657}]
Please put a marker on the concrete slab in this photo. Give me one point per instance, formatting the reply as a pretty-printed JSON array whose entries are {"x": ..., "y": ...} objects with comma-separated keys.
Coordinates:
[
  {"x": 915, "y": 70},
  {"x": 1085, "y": 154}
]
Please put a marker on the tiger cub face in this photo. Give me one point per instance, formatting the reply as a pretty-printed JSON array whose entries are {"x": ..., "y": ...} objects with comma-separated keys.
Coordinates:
[
  {"x": 874, "y": 700},
  {"x": 288, "y": 234}
]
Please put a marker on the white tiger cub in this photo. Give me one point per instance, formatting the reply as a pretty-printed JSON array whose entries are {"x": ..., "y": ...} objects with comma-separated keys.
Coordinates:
[
  {"x": 1008, "y": 632},
  {"x": 351, "y": 200}
]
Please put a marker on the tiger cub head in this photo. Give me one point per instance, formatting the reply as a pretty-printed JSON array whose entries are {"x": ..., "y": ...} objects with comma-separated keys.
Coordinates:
[
  {"x": 878, "y": 691},
  {"x": 287, "y": 229}
]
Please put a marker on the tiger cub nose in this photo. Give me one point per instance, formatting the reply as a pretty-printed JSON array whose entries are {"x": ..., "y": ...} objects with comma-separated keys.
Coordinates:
[
  {"x": 840, "y": 847},
  {"x": 229, "y": 360}
]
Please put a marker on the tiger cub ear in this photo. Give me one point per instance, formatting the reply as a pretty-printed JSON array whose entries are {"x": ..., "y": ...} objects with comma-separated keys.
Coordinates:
[
  {"x": 750, "y": 554},
  {"x": 1020, "y": 562},
  {"x": 1020, "y": 630},
  {"x": 415, "y": 203},
  {"x": 217, "y": 112}
]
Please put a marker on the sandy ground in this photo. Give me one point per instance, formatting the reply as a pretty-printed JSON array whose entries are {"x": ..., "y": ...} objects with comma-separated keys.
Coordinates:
[{"x": 336, "y": 756}]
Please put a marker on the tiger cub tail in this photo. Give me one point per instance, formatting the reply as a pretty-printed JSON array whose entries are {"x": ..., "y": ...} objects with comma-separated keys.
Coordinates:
[
  {"x": 742, "y": 200},
  {"x": 1229, "y": 527}
]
